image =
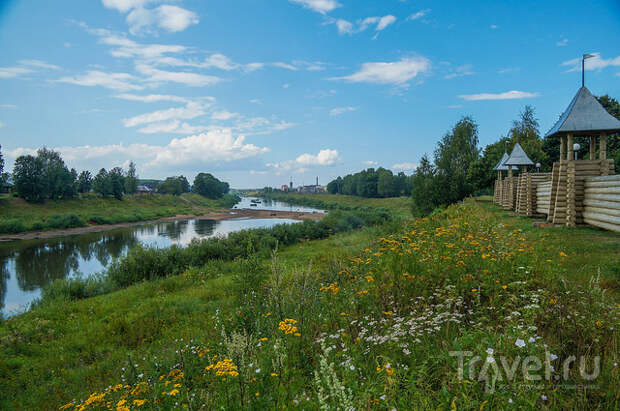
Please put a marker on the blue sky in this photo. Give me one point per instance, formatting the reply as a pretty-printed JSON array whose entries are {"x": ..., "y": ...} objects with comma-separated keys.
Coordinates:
[{"x": 255, "y": 91}]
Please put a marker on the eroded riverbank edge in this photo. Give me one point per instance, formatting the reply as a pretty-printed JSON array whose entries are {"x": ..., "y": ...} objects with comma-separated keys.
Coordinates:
[{"x": 217, "y": 216}]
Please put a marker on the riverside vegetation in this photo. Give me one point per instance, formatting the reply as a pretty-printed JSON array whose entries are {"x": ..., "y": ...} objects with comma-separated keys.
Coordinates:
[
  {"x": 18, "y": 215},
  {"x": 360, "y": 320}
]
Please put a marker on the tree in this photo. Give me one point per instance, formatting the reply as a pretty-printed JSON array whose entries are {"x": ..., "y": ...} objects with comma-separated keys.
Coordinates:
[
  {"x": 335, "y": 186},
  {"x": 101, "y": 183},
  {"x": 423, "y": 193},
  {"x": 117, "y": 182},
  {"x": 385, "y": 183},
  {"x": 454, "y": 155},
  {"x": 58, "y": 180},
  {"x": 84, "y": 182},
  {"x": 185, "y": 187},
  {"x": 131, "y": 180},
  {"x": 208, "y": 186},
  {"x": 613, "y": 141},
  {"x": 28, "y": 178},
  {"x": 1, "y": 161},
  {"x": 172, "y": 185}
]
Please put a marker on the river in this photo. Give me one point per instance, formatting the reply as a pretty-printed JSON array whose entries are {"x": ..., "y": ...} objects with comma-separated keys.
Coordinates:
[{"x": 27, "y": 266}]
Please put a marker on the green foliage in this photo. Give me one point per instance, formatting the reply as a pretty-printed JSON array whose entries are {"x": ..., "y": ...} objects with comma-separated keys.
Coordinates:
[
  {"x": 28, "y": 178},
  {"x": 228, "y": 200},
  {"x": 371, "y": 183},
  {"x": 208, "y": 186},
  {"x": 174, "y": 185},
  {"x": 131, "y": 179},
  {"x": 12, "y": 226},
  {"x": 85, "y": 182}
]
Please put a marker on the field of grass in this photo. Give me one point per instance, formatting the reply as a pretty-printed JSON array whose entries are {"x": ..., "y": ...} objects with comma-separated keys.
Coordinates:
[
  {"x": 372, "y": 319},
  {"x": 17, "y": 215}
]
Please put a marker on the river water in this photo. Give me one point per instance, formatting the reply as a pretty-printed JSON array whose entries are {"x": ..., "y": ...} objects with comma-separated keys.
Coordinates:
[{"x": 27, "y": 266}]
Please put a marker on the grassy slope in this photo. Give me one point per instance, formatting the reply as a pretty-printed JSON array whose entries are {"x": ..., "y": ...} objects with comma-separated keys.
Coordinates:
[
  {"x": 71, "y": 350},
  {"x": 130, "y": 208},
  {"x": 401, "y": 205}
]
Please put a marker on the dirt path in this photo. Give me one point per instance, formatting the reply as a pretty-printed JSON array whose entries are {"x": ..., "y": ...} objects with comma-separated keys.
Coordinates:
[{"x": 224, "y": 215}]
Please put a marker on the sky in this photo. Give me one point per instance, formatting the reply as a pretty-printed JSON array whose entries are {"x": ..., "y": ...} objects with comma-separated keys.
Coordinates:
[{"x": 259, "y": 91}]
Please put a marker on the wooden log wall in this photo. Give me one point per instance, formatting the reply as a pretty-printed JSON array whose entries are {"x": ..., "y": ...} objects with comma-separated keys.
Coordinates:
[
  {"x": 601, "y": 202},
  {"x": 577, "y": 172},
  {"x": 497, "y": 193},
  {"x": 558, "y": 199},
  {"x": 533, "y": 180},
  {"x": 509, "y": 188},
  {"x": 543, "y": 197}
]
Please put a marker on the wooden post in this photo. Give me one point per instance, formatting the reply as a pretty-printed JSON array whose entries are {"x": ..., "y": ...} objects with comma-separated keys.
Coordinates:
[
  {"x": 603, "y": 151},
  {"x": 570, "y": 155},
  {"x": 571, "y": 215},
  {"x": 562, "y": 148},
  {"x": 592, "y": 148}
]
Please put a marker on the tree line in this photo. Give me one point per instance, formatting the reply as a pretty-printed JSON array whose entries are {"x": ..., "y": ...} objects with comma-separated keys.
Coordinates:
[
  {"x": 45, "y": 176},
  {"x": 372, "y": 183}
]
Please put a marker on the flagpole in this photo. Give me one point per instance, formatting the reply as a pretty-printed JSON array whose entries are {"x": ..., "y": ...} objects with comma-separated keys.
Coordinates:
[{"x": 583, "y": 71}]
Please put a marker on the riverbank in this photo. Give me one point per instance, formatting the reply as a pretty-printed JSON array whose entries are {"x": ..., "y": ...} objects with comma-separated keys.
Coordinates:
[
  {"x": 217, "y": 216},
  {"x": 18, "y": 216},
  {"x": 376, "y": 311}
]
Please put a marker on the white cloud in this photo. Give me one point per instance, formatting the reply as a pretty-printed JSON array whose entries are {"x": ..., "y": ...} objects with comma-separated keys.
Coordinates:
[
  {"x": 398, "y": 72},
  {"x": 404, "y": 166},
  {"x": 220, "y": 61},
  {"x": 594, "y": 63},
  {"x": 191, "y": 110},
  {"x": 508, "y": 95},
  {"x": 341, "y": 110},
  {"x": 509, "y": 70},
  {"x": 460, "y": 71},
  {"x": 173, "y": 126},
  {"x": 151, "y": 98},
  {"x": 1, "y": 124},
  {"x": 38, "y": 64},
  {"x": 494, "y": 26},
  {"x": 190, "y": 79},
  {"x": 223, "y": 115},
  {"x": 193, "y": 152},
  {"x": 284, "y": 66},
  {"x": 325, "y": 157},
  {"x": 370, "y": 163},
  {"x": 419, "y": 14},
  {"x": 256, "y": 101},
  {"x": 113, "y": 81},
  {"x": 562, "y": 43},
  {"x": 11, "y": 72},
  {"x": 346, "y": 27},
  {"x": 455, "y": 106},
  {"x": 167, "y": 17},
  {"x": 124, "y": 5},
  {"x": 9, "y": 106},
  {"x": 320, "y": 6}
]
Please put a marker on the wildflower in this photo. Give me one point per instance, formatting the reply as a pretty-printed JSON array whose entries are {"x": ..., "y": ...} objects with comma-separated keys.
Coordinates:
[
  {"x": 562, "y": 254},
  {"x": 509, "y": 400},
  {"x": 473, "y": 290},
  {"x": 490, "y": 351},
  {"x": 504, "y": 286},
  {"x": 139, "y": 403},
  {"x": 273, "y": 374},
  {"x": 263, "y": 339},
  {"x": 490, "y": 360},
  {"x": 531, "y": 340},
  {"x": 67, "y": 406},
  {"x": 553, "y": 357},
  {"x": 174, "y": 392},
  {"x": 388, "y": 313},
  {"x": 544, "y": 397},
  {"x": 520, "y": 343},
  {"x": 257, "y": 370},
  {"x": 288, "y": 326},
  {"x": 599, "y": 323}
]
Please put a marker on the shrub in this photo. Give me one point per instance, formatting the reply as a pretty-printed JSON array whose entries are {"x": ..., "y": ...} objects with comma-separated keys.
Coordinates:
[
  {"x": 12, "y": 226},
  {"x": 64, "y": 221}
]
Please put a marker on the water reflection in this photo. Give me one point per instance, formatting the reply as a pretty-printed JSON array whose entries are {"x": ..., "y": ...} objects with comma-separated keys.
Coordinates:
[
  {"x": 268, "y": 204},
  {"x": 27, "y": 266}
]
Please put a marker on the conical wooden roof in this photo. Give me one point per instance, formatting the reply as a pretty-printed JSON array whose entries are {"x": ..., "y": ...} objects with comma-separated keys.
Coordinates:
[
  {"x": 500, "y": 165},
  {"x": 585, "y": 115},
  {"x": 518, "y": 157}
]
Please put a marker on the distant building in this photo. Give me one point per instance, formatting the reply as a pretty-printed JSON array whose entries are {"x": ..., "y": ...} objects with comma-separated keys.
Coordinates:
[
  {"x": 284, "y": 187},
  {"x": 144, "y": 190}
]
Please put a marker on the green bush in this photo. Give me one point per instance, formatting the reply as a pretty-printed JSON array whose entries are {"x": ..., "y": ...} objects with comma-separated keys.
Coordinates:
[
  {"x": 12, "y": 226},
  {"x": 64, "y": 221}
]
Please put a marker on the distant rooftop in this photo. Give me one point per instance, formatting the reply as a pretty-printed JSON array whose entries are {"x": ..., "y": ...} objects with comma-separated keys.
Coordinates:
[
  {"x": 500, "y": 165},
  {"x": 586, "y": 115},
  {"x": 518, "y": 157}
]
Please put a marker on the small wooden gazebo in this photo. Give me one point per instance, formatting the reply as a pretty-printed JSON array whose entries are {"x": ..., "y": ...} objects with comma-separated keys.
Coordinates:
[
  {"x": 516, "y": 158},
  {"x": 586, "y": 117},
  {"x": 499, "y": 167}
]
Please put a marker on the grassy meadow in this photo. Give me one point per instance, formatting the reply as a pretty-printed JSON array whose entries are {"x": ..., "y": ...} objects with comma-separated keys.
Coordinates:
[
  {"x": 368, "y": 319},
  {"x": 18, "y": 215}
]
